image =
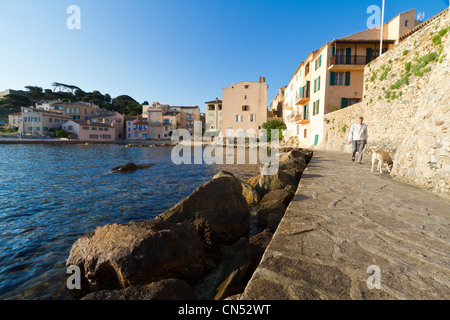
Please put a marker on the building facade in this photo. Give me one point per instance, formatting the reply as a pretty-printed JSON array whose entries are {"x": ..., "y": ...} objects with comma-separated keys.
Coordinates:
[
  {"x": 40, "y": 122},
  {"x": 332, "y": 78},
  {"x": 90, "y": 131},
  {"x": 213, "y": 116},
  {"x": 244, "y": 107}
]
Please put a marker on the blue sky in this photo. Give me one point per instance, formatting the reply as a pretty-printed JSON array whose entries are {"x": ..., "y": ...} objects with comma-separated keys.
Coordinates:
[{"x": 179, "y": 52}]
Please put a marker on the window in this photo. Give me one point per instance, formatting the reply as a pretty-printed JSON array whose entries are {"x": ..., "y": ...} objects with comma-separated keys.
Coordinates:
[
  {"x": 239, "y": 118},
  {"x": 94, "y": 129},
  {"x": 93, "y": 136},
  {"x": 246, "y": 86},
  {"x": 245, "y": 97},
  {"x": 245, "y": 108},
  {"x": 305, "y": 133},
  {"x": 318, "y": 62},
  {"x": 317, "y": 84},
  {"x": 50, "y": 119},
  {"x": 316, "y": 107},
  {"x": 252, "y": 117},
  {"x": 306, "y": 112},
  {"x": 85, "y": 128},
  {"x": 211, "y": 108},
  {"x": 406, "y": 23},
  {"x": 336, "y": 78}
]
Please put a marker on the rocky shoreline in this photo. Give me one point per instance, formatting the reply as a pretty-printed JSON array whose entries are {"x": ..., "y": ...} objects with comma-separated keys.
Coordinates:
[{"x": 198, "y": 249}]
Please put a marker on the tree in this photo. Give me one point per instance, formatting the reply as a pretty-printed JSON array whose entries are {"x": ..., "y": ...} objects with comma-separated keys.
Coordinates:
[
  {"x": 273, "y": 125},
  {"x": 15, "y": 101},
  {"x": 35, "y": 93}
]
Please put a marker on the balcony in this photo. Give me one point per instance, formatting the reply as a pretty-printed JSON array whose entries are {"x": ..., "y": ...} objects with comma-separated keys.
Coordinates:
[
  {"x": 294, "y": 117},
  {"x": 349, "y": 62},
  {"x": 303, "y": 96}
]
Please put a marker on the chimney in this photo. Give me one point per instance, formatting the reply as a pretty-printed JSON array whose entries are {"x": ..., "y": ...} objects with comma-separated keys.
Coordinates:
[
  {"x": 217, "y": 99},
  {"x": 262, "y": 79}
]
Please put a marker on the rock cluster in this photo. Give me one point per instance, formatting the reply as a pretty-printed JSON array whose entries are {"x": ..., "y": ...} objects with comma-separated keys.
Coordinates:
[{"x": 198, "y": 249}]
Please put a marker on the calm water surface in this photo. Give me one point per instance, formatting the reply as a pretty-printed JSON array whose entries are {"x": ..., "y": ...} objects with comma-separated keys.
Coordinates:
[{"x": 50, "y": 195}]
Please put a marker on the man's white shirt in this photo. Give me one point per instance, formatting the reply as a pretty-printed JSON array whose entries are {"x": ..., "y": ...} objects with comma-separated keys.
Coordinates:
[{"x": 358, "y": 132}]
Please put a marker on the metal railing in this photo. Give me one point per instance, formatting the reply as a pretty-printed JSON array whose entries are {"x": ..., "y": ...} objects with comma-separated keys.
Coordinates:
[{"x": 352, "y": 59}]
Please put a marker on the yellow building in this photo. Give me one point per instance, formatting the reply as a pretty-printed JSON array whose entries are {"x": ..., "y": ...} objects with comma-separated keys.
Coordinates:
[{"x": 333, "y": 78}]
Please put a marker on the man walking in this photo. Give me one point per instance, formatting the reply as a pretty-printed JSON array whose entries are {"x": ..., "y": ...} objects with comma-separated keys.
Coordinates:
[{"x": 358, "y": 137}]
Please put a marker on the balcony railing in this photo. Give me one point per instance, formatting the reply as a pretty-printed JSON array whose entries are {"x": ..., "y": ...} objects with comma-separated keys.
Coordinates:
[
  {"x": 294, "y": 117},
  {"x": 351, "y": 60},
  {"x": 303, "y": 96}
]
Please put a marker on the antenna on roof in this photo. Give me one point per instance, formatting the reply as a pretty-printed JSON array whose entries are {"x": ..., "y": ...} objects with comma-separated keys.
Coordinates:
[{"x": 421, "y": 16}]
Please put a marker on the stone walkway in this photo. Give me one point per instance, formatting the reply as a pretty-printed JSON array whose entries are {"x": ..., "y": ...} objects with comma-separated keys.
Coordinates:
[{"x": 344, "y": 219}]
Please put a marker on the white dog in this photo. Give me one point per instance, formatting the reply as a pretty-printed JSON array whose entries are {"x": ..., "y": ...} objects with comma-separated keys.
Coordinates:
[{"x": 384, "y": 159}]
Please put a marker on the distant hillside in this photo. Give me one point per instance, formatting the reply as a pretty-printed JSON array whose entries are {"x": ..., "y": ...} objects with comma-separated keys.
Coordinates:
[{"x": 67, "y": 93}]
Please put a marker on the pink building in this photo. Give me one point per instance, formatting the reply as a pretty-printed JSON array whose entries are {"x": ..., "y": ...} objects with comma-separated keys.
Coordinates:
[{"x": 136, "y": 128}]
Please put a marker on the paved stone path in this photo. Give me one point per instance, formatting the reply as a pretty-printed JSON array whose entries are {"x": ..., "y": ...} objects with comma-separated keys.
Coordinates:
[{"x": 344, "y": 219}]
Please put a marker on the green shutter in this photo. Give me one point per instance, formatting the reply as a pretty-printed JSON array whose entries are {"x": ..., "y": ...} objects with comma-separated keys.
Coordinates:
[
  {"x": 315, "y": 85},
  {"x": 333, "y": 51},
  {"x": 318, "y": 84},
  {"x": 344, "y": 103},
  {"x": 314, "y": 108},
  {"x": 320, "y": 61},
  {"x": 369, "y": 53},
  {"x": 317, "y": 106},
  {"x": 316, "y": 140},
  {"x": 348, "y": 55},
  {"x": 332, "y": 76},
  {"x": 347, "y": 78},
  {"x": 307, "y": 111}
]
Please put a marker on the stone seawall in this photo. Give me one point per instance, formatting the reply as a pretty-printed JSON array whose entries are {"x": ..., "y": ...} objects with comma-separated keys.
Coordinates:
[{"x": 406, "y": 103}]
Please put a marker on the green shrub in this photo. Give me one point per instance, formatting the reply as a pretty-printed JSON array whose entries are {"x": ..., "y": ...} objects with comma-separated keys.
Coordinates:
[
  {"x": 443, "y": 32},
  {"x": 405, "y": 52},
  {"x": 437, "y": 40},
  {"x": 408, "y": 66}
]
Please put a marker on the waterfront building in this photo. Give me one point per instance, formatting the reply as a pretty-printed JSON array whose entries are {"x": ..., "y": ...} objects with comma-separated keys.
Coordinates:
[
  {"x": 88, "y": 131},
  {"x": 40, "y": 122},
  {"x": 106, "y": 116},
  {"x": 332, "y": 78},
  {"x": 276, "y": 107},
  {"x": 188, "y": 115},
  {"x": 15, "y": 120},
  {"x": 137, "y": 128},
  {"x": 213, "y": 116},
  {"x": 244, "y": 107}
]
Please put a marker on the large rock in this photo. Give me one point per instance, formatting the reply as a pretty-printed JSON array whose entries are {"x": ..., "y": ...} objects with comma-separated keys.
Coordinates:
[
  {"x": 129, "y": 167},
  {"x": 167, "y": 289},
  {"x": 226, "y": 279},
  {"x": 270, "y": 214},
  {"x": 217, "y": 209},
  {"x": 280, "y": 180},
  {"x": 281, "y": 195},
  {"x": 293, "y": 163},
  {"x": 248, "y": 191},
  {"x": 138, "y": 253}
]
